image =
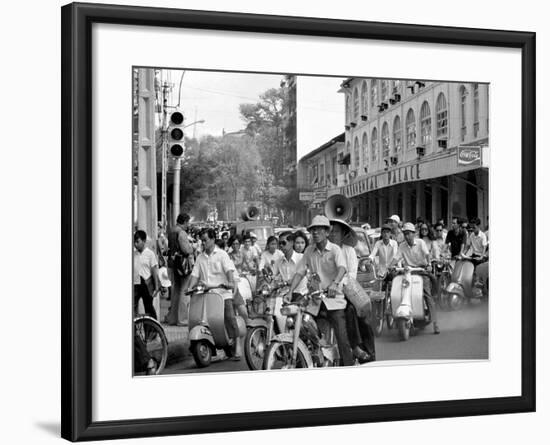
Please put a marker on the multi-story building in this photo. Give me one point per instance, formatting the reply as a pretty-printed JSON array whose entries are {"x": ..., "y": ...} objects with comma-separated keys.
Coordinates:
[
  {"x": 321, "y": 173},
  {"x": 414, "y": 148}
]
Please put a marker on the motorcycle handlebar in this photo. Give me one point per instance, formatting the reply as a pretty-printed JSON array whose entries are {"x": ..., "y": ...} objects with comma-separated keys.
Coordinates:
[{"x": 204, "y": 289}]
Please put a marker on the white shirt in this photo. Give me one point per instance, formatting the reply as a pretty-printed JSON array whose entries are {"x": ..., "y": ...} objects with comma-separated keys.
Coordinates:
[
  {"x": 257, "y": 249},
  {"x": 351, "y": 261},
  {"x": 386, "y": 253},
  {"x": 325, "y": 264},
  {"x": 415, "y": 255},
  {"x": 287, "y": 269},
  {"x": 145, "y": 262},
  {"x": 212, "y": 269},
  {"x": 478, "y": 243},
  {"x": 270, "y": 258}
]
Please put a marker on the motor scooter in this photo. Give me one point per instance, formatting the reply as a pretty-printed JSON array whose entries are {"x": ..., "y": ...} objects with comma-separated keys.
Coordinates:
[
  {"x": 264, "y": 320},
  {"x": 462, "y": 289},
  {"x": 309, "y": 342},
  {"x": 207, "y": 333},
  {"x": 409, "y": 310}
]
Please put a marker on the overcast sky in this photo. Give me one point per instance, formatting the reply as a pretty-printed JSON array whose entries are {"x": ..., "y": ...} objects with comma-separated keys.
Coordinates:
[{"x": 215, "y": 97}]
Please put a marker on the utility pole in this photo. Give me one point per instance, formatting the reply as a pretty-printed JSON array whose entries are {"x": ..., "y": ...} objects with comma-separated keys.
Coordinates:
[{"x": 164, "y": 159}]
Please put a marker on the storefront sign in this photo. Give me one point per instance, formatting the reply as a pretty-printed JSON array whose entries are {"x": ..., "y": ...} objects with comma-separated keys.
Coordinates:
[
  {"x": 469, "y": 155},
  {"x": 306, "y": 196},
  {"x": 442, "y": 164},
  {"x": 395, "y": 176},
  {"x": 320, "y": 194}
]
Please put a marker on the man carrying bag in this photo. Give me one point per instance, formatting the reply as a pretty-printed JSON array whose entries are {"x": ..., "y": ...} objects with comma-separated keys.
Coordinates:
[{"x": 180, "y": 264}]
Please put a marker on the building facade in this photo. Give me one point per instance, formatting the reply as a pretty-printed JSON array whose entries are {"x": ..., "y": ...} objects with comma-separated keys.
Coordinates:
[{"x": 413, "y": 148}]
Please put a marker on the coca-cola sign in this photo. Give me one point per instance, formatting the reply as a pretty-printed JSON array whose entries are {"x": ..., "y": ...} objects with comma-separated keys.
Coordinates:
[{"x": 469, "y": 155}]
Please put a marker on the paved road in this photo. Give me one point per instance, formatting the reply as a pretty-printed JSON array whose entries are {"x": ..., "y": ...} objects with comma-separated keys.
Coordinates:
[{"x": 464, "y": 335}]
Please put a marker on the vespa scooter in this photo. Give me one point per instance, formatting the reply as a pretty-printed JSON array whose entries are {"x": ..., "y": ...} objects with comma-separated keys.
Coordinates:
[
  {"x": 462, "y": 289},
  {"x": 207, "y": 333},
  {"x": 409, "y": 309}
]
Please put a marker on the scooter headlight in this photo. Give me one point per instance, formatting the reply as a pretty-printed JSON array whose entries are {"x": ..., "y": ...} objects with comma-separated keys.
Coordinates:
[
  {"x": 265, "y": 291},
  {"x": 405, "y": 283},
  {"x": 289, "y": 323}
]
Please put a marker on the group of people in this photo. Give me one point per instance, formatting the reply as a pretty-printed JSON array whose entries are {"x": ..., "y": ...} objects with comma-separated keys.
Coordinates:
[
  {"x": 418, "y": 245},
  {"x": 217, "y": 260}
]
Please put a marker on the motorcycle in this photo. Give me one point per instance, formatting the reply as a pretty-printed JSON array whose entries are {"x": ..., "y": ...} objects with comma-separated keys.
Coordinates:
[
  {"x": 442, "y": 271},
  {"x": 462, "y": 289},
  {"x": 377, "y": 295},
  {"x": 308, "y": 343},
  {"x": 409, "y": 310},
  {"x": 265, "y": 320},
  {"x": 207, "y": 333}
]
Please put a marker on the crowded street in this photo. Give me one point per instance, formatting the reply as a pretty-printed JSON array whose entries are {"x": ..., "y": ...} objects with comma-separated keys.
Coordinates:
[
  {"x": 259, "y": 250},
  {"x": 463, "y": 338}
]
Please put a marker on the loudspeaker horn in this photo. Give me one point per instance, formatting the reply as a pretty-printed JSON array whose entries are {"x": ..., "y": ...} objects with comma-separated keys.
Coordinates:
[
  {"x": 250, "y": 213},
  {"x": 338, "y": 207}
]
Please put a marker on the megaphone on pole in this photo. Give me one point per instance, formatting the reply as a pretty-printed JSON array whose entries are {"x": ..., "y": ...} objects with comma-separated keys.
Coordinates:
[{"x": 338, "y": 207}]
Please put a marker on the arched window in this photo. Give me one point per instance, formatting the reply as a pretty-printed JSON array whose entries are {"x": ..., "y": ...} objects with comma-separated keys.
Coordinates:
[
  {"x": 374, "y": 145},
  {"x": 365, "y": 150},
  {"x": 463, "y": 95},
  {"x": 410, "y": 126},
  {"x": 476, "y": 109},
  {"x": 356, "y": 159},
  {"x": 364, "y": 99},
  {"x": 397, "y": 144},
  {"x": 373, "y": 93},
  {"x": 347, "y": 109},
  {"x": 441, "y": 115},
  {"x": 384, "y": 90},
  {"x": 385, "y": 140},
  {"x": 355, "y": 116},
  {"x": 425, "y": 125}
]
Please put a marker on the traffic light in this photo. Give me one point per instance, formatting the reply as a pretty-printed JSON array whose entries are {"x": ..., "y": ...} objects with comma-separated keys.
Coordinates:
[{"x": 175, "y": 134}]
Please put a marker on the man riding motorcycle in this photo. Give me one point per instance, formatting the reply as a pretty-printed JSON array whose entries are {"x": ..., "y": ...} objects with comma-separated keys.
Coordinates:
[
  {"x": 215, "y": 269},
  {"x": 413, "y": 252},
  {"x": 327, "y": 261}
]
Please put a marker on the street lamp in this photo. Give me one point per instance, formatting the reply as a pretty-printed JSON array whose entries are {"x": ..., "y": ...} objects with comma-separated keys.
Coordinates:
[{"x": 202, "y": 121}]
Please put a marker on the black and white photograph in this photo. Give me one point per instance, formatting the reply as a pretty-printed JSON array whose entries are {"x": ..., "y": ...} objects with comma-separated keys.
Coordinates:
[{"x": 285, "y": 221}]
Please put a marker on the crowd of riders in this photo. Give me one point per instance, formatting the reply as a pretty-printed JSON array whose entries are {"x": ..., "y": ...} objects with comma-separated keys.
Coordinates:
[{"x": 209, "y": 255}]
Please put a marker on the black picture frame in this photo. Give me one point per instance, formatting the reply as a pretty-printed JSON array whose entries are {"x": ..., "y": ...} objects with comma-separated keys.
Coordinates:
[{"x": 76, "y": 343}]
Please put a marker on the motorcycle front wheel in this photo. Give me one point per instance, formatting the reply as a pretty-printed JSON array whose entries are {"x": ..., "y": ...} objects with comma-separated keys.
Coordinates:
[
  {"x": 455, "y": 302},
  {"x": 255, "y": 347},
  {"x": 279, "y": 356},
  {"x": 403, "y": 328},
  {"x": 202, "y": 353}
]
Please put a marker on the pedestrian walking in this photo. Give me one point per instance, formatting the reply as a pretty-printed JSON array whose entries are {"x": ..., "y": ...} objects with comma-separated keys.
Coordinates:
[{"x": 146, "y": 279}]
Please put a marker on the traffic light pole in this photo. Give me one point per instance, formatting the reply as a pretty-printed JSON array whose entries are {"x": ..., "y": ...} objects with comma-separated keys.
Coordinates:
[{"x": 176, "y": 197}]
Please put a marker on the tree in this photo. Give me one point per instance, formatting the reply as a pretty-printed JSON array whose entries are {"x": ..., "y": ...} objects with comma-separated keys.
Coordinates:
[{"x": 264, "y": 122}]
